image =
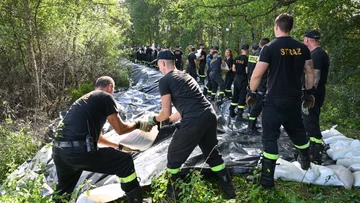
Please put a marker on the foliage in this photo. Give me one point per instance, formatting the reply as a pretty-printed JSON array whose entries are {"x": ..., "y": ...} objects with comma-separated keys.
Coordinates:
[
  {"x": 16, "y": 146},
  {"x": 193, "y": 189}
]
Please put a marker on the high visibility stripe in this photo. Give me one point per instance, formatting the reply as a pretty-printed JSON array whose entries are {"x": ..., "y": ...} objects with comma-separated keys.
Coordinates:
[
  {"x": 213, "y": 93},
  {"x": 173, "y": 171},
  {"x": 228, "y": 90},
  {"x": 128, "y": 178},
  {"x": 221, "y": 92},
  {"x": 253, "y": 59},
  {"x": 313, "y": 139},
  {"x": 303, "y": 146},
  {"x": 271, "y": 156},
  {"x": 233, "y": 104},
  {"x": 218, "y": 168},
  {"x": 206, "y": 87},
  {"x": 202, "y": 76},
  {"x": 241, "y": 107},
  {"x": 252, "y": 118}
]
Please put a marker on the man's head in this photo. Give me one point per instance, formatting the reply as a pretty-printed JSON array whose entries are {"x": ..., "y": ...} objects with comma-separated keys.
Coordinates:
[
  {"x": 166, "y": 61},
  {"x": 192, "y": 49},
  {"x": 106, "y": 84},
  {"x": 215, "y": 53},
  {"x": 245, "y": 49},
  {"x": 263, "y": 41},
  {"x": 254, "y": 47},
  {"x": 201, "y": 46},
  {"x": 283, "y": 23},
  {"x": 312, "y": 38},
  {"x": 177, "y": 47}
]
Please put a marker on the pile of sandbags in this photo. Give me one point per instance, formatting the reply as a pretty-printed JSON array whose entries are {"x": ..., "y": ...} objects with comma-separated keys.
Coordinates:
[{"x": 345, "y": 151}]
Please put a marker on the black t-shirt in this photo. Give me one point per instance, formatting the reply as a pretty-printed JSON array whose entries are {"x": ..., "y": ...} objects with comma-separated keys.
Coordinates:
[
  {"x": 229, "y": 62},
  {"x": 178, "y": 55},
  {"x": 253, "y": 59},
  {"x": 286, "y": 58},
  {"x": 321, "y": 62},
  {"x": 185, "y": 94},
  {"x": 241, "y": 63},
  {"x": 93, "y": 109},
  {"x": 191, "y": 59},
  {"x": 202, "y": 54},
  {"x": 215, "y": 64},
  {"x": 149, "y": 51}
]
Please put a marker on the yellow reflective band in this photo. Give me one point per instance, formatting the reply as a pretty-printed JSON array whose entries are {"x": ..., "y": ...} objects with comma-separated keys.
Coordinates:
[
  {"x": 303, "y": 146},
  {"x": 233, "y": 104},
  {"x": 271, "y": 156},
  {"x": 252, "y": 118},
  {"x": 253, "y": 59},
  {"x": 313, "y": 139},
  {"x": 206, "y": 87},
  {"x": 212, "y": 93},
  {"x": 218, "y": 168},
  {"x": 173, "y": 171},
  {"x": 241, "y": 107},
  {"x": 128, "y": 179},
  {"x": 202, "y": 76},
  {"x": 228, "y": 91},
  {"x": 221, "y": 92}
]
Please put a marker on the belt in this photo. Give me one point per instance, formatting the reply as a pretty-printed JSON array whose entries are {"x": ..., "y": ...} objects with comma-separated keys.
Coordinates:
[{"x": 65, "y": 144}]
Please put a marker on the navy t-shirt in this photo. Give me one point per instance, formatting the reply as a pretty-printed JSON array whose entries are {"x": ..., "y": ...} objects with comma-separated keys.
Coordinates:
[
  {"x": 185, "y": 94},
  {"x": 215, "y": 64},
  {"x": 87, "y": 113},
  {"x": 286, "y": 58}
]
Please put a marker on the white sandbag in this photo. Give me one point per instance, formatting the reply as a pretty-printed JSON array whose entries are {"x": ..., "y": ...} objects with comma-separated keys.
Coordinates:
[
  {"x": 327, "y": 177},
  {"x": 311, "y": 174},
  {"x": 334, "y": 139},
  {"x": 225, "y": 68},
  {"x": 287, "y": 171},
  {"x": 336, "y": 153},
  {"x": 348, "y": 162},
  {"x": 106, "y": 193},
  {"x": 330, "y": 133},
  {"x": 356, "y": 179},
  {"x": 137, "y": 139},
  {"x": 344, "y": 175},
  {"x": 354, "y": 167},
  {"x": 341, "y": 143},
  {"x": 355, "y": 144}
]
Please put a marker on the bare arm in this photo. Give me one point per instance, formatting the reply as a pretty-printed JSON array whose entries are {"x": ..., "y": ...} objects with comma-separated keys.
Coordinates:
[
  {"x": 104, "y": 141},
  {"x": 165, "y": 111},
  {"x": 317, "y": 74},
  {"x": 175, "y": 117},
  {"x": 233, "y": 68},
  {"x": 309, "y": 74},
  {"x": 118, "y": 125},
  {"x": 256, "y": 76}
]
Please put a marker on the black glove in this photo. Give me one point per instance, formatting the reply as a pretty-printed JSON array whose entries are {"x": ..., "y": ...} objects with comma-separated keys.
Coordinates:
[
  {"x": 251, "y": 97},
  {"x": 307, "y": 98}
]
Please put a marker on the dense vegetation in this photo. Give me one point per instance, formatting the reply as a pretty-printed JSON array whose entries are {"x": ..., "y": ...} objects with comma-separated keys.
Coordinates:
[{"x": 51, "y": 51}]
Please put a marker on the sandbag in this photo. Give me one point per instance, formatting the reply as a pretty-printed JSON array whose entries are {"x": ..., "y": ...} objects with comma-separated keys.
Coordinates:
[
  {"x": 348, "y": 162},
  {"x": 106, "y": 193},
  {"x": 327, "y": 177},
  {"x": 336, "y": 153},
  {"x": 356, "y": 179},
  {"x": 330, "y": 133},
  {"x": 334, "y": 139},
  {"x": 344, "y": 175},
  {"x": 354, "y": 167},
  {"x": 287, "y": 171}
]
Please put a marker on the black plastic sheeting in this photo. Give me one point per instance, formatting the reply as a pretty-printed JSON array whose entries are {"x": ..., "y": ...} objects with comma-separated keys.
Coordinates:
[{"x": 240, "y": 151}]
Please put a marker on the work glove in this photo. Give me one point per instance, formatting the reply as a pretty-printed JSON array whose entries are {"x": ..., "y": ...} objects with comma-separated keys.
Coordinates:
[
  {"x": 144, "y": 126},
  {"x": 152, "y": 120},
  {"x": 307, "y": 98},
  {"x": 251, "y": 97}
]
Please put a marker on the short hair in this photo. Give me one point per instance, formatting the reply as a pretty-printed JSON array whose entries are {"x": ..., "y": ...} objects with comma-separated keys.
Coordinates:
[
  {"x": 285, "y": 22},
  {"x": 170, "y": 62},
  {"x": 264, "y": 41},
  {"x": 103, "y": 82},
  {"x": 192, "y": 49}
]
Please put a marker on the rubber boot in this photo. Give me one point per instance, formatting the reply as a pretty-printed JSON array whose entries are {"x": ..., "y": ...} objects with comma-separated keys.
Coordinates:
[
  {"x": 239, "y": 116},
  {"x": 172, "y": 191},
  {"x": 267, "y": 173},
  {"x": 232, "y": 113},
  {"x": 221, "y": 98},
  {"x": 205, "y": 92},
  {"x": 212, "y": 98},
  {"x": 135, "y": 196},
  {"x": 316, "y": 152},
  {"x": 304, "y": 158},
  {"x": 252, "y": 127},
  {"x": 226, "y": 183}
]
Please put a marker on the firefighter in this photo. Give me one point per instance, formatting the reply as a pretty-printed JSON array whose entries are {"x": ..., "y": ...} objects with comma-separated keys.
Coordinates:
[{"x": 285, "y": 59}]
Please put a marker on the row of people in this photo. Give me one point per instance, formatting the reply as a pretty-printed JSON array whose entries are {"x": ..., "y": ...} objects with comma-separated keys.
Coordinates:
[{"x": 283, "y": 60}]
